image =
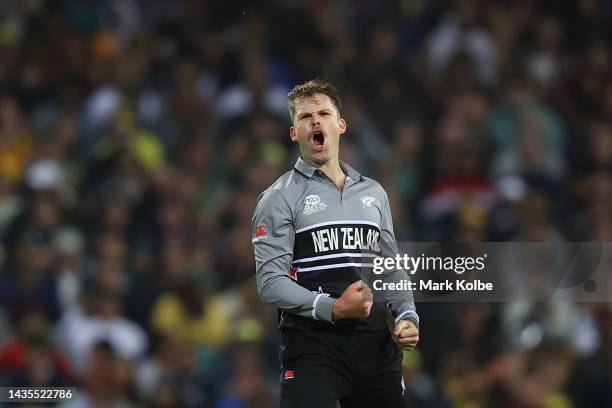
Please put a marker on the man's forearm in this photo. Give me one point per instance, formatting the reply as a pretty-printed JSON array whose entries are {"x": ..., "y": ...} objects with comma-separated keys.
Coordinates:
[
  {"x": 401, "y": 302},
  {"x": 279, "y": 290}
]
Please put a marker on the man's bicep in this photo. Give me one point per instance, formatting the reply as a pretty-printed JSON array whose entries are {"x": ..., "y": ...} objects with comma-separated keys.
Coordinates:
[
  {"x": 273, "y": 234},
  {"x": 387, "y": 237}
]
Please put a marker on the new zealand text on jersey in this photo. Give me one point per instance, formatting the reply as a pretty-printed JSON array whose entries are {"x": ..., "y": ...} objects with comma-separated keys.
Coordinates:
[{"x": 330, "y": 239}]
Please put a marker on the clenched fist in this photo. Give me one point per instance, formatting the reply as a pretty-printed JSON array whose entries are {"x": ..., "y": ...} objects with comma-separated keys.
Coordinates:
[
  {"x": 406, "y": 335},
  {"x": 356, "y": 301}
]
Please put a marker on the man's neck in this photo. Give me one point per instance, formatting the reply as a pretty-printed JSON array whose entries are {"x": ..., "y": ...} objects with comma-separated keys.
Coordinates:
[{"x": 333, "y": 170}]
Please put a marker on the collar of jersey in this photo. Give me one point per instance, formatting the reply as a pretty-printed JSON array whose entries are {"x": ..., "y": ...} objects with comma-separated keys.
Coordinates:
[{"x": 307, "y": 170}]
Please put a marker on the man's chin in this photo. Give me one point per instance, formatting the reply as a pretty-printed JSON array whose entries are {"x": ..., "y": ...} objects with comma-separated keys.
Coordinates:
[{"x": 318, "y": 159}]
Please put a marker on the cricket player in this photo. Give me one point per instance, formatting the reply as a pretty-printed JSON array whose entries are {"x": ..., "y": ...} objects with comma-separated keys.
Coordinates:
[{"x": 315, "y": 231}]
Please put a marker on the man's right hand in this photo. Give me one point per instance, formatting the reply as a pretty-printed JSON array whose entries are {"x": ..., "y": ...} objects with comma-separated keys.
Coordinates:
[{"x": 356, "y": 301}]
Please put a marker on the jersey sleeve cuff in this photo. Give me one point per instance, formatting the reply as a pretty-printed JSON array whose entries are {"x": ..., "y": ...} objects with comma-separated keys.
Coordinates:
[
  {"x": 408, "y": 315},
  {"x": 323, "y": 308}
]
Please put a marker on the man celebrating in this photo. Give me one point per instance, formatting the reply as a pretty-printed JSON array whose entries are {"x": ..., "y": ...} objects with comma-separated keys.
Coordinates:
[{"x": 314, "y": 231}]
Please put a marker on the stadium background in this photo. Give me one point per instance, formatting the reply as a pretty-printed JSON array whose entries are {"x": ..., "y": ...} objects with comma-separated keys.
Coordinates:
[{"x": 136, "y": 135}]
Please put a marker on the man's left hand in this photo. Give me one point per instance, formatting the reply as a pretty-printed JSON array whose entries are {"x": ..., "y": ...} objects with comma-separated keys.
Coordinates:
[{"x": 406, "y": 335}]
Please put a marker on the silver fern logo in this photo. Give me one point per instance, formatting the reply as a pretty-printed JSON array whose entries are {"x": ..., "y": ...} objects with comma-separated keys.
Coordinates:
[{"x": 367, "y": 201}]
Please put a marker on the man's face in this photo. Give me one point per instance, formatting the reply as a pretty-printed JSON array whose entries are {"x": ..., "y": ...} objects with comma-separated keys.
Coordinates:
[{"x": 317, "y": 127}]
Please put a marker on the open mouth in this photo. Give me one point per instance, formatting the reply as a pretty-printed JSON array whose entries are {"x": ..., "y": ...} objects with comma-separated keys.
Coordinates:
[{"x": 318, "y": 138}]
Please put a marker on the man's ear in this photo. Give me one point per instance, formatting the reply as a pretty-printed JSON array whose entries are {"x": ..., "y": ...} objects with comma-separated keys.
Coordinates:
[
  {"x": 342, "y": 126},
  {"x": 292, "y": 134}
]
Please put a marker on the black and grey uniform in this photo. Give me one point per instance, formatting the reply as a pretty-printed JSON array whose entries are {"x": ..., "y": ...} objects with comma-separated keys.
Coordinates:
[{"x": 311, "y": 242}]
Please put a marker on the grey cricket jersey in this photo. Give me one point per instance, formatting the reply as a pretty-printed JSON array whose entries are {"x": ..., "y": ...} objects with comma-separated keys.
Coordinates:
[{"x": 312, "y": 241}]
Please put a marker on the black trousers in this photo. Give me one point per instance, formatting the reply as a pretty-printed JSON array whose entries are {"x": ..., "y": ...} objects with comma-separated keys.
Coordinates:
[{"x": 359, "y": 369}]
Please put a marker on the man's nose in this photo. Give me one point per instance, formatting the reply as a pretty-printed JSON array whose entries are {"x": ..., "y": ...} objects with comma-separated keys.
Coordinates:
[{"x": 315, "y": 119}]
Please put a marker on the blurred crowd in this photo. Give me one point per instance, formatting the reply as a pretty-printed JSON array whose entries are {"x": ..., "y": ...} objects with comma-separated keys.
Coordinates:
[{"x": 136, "y": 135}]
